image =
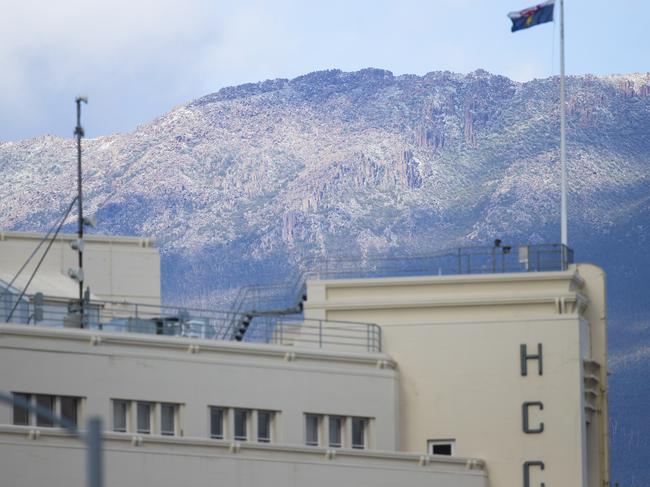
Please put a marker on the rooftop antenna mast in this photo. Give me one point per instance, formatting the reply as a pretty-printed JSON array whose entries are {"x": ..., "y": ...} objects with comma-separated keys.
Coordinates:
[
  {"x": 563, "y": 179},
  {"x": 79, "y": 244}
]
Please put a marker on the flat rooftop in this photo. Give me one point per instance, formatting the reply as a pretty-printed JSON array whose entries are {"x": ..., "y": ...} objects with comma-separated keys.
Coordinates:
[{"x": 273, "y": 314}]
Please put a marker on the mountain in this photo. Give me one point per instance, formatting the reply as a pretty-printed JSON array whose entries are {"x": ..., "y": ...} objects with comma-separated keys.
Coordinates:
[{"x": 242, "y": 184}]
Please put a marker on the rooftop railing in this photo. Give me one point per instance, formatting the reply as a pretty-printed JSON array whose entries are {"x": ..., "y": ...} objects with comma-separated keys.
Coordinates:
[
  {"x": 126, "y": 317},
  {"x": 311, "y": 333},
  {"x": 287, "y": 296},
  {"x": 495, "y": 259}
]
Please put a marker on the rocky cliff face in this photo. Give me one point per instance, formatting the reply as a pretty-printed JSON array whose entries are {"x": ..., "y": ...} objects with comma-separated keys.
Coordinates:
[
  {"x": 240, "y": 184},
  {"x": 360, "y": 160},
  {"x": 275, "y": 160}
]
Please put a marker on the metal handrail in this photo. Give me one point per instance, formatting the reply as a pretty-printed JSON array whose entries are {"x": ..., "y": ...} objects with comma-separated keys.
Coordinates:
[
  {"x": 189, "y": 322},
  {"x": 286, "y": 297}
]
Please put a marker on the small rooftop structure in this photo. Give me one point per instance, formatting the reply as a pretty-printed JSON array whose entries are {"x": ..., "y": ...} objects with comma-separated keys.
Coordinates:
[{"x": 116, "y": 268}]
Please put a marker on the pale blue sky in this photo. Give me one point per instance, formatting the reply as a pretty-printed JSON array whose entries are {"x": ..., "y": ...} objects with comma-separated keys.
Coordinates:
[{"x": 136, "y": 59}]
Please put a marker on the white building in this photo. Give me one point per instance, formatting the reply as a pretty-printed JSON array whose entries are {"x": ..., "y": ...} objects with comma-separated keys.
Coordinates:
[{"x": 497, "y": 378}]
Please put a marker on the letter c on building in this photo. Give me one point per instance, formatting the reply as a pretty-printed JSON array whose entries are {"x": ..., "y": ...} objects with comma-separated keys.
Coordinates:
[
  {"x": 527, "y": 466},
  {"x": 525, "y": 416}
]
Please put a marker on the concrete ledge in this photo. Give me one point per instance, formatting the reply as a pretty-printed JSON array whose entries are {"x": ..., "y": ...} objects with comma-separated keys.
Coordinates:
[
  {"x": 491, "y": 300},
  {"x": 569, "y": 275},
  {"x": 195, "y": 345},
  {"x": 202, "y": 447}
]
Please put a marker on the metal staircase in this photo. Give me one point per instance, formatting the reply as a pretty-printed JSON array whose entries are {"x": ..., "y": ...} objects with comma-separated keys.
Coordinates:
[
  {"x": 256, "y": 306},
  {"x": 253, "y": 304}
]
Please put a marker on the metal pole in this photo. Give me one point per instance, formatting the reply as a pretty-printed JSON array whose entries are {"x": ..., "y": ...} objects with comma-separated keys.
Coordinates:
[
  {"x": 94, "y": 451},
  {"x": 563, "y": 210},
  {"x": 92, "y": 438},
  {"x": 79, "y": 132}
]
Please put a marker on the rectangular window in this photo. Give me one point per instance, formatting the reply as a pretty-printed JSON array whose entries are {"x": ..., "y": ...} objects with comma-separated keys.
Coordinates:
[
  {"x": 168, "y": 419},
  {"x": 216, "y": 422},
  {"x": 144, "y": 417},
  {"x": 335, "y": 427},
  {"x": 312, "y": 424},
  {"x": 44, "y": 402},
  {"x": 241, "y": 420},
  {"x": 21, "y": 415},
  {"x": 264, "y": 419},
  {"x": 441, "y": 447},
  {"x": 359, "y": 427},
  {"x": 69, "y": 409},
  {"x": 120, "y": 413}
]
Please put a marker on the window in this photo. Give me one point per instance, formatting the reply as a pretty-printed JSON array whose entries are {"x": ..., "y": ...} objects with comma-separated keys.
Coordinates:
[
  {"x": 312, "y": 425},
  {"x": 66, "y": 407},
  {"x": 359, "y": 432},
  {"x": 241, "y": 420},
  {"x": 216, "y": 422},
  {"x": 69, "y": 409},
  {"x": 144, "y": 417},
  {"x": 46, "y": 403},
  {"x": 340, "y": 430},
  {"x": 335, "y": 427},
  {"x": 149, "y": 418},
  {"x": 21, "y": 414},
  {"x": 441, "y": 447},
  {"x": 120, "y": 414},
  {"x": 264, "y": 419},
  {"x": 168, "y": 419},
  {"x": 241, "y": 424}
]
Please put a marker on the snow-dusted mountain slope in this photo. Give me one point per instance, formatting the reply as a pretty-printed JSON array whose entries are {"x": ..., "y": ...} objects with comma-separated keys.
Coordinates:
[{"x": 240, "y": 184}]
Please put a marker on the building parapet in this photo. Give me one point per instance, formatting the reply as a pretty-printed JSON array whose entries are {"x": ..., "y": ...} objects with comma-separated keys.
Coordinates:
[
  {"x": 196, "y": 346},
  {"x": 144, "y": 242},
  {"x": 288, "y": 296},
  {"x": 252, "y": 450}
]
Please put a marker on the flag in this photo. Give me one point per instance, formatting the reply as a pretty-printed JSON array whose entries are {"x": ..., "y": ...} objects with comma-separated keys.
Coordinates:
[{"x": 538, "y": 14}]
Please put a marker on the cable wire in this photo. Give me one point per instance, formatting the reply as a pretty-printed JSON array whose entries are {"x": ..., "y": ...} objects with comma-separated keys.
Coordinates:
[
  {"x": 49, "y": 245},
  {"x": 47, "y": 235}
]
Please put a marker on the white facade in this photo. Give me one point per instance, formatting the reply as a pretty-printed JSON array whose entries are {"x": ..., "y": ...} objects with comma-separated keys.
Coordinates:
[
  {"x": 193, "y": 375},
  {"x": 100, "y": 368},
  {"x": 458, "y": 342},
  {"x": 115, "y": 268},
  {"x": 496, "y": 379}
]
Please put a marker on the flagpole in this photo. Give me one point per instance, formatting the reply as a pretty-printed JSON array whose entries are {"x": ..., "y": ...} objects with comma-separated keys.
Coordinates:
[{"x": 563, "y": 209}]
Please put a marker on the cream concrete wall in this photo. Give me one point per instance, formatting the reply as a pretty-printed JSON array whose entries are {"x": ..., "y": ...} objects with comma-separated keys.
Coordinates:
[
  {"x": 58, "y": 461},
  {"x": 100, "y": 366},
  {"x": 457, "y": 341},
  {"x": 115, "y": 268},
  {"x": 596, "y": 316}
]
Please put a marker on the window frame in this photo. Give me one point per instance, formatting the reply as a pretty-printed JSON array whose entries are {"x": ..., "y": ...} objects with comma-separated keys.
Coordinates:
[
  {"x": 174, "y": 418},
  {"x": 431, "y": 444},
  {"x": 74, "y": 402},
  {"x": 222, "y": 421},
  {"x": 341, "y": 422},
  {"x": 127, "y": 408},
  {"x": 244, "y": 423},
  {"x": 150, "y": 407},
  {"x": 57, "y": 405},
  {"x": 357, "y": 420},
  {"x": 44, "y": 421},
  {"x": 318, "y": 418},
  {"x": 26, "y": 413},
  {"x": 270, "y": 415}
]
